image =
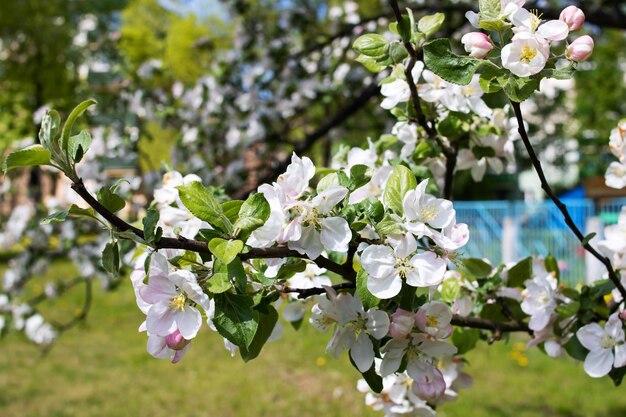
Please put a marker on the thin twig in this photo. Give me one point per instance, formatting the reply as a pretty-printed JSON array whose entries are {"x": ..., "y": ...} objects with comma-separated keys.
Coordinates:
[{"x": 559, "y": 204}]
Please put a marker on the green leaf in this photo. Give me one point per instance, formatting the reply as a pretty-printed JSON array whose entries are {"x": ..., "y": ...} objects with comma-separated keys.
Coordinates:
[
  {"x": 490, "y": 9},
  {"x": 235, "y": 319},
  {"x": 56, "y": 217},
  {"x": 267, "y": 322},
  {"x": 31, "y": 156},
  {"x": 453, "y": 68},
  {"x": 327, "y": 181},
  {"x": 477, "y": 267},
  {"x": 397, "y": 52},
  {"x": 431, "y": 23},
  {"x": 483, "y": 152},
  {"x": 372, "y": 45},
  {"x": 149, "y": 225},
  {"x": 465, "y": 339},
  {"x": 399, "y": 183},
  {"x": 370, "y": 64},
  {"x": 568, "y": 310},
  {"x": 588, "y": 238},
  {"x": 450, "y": 290},
  {"x": 617, "y": 375},
  {"x": 253, "y": 214},
  {"x": 520, "y": 272},
  {"x": 552, "y": 266},
  {"x": 110, "y": 200},
  {"x": 565, "y": 73},
  {"x": 519, "y": 89},
  {"x": 49, "y": 131},
  {"x": 201, "y": 203},
  {"x": 452, "y": 126},
  {"x": 78, "y": 145},
  {"x": 231, "y": 209},
  {"x": 358, "y": 176},
  {"x": 111, "y": 258},
  {"x": 367, "y": 298},
  {"x": 390, "y": 226},
  {"x": 69, "y": 124},
  {"x": 225, "y": 250},
  {"x": 220, "y": 281},
  {"x": 575, "y": 349}
]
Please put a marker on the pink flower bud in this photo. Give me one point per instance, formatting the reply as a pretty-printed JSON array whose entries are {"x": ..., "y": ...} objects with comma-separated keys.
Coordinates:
[
  {"x": 402, "y": 323},
  {"x": 580, "y": 49},
  {"x": 176, "y": 341},
  {"x": 622, "y": 315},
  {"x": 477, "y": 44},
  {"x": 574, "y": 17}
]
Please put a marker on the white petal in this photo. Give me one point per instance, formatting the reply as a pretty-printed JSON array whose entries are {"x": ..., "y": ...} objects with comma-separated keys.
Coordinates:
[
  {"x": 378, "y": 260},
  {"x": 329, "y": 198},
  {"x": 590, "y": 336},
  {"x": 620, "y": 356},
  {"x": 429, "y": 270},
  {"x": 335, "y": 234},
  {"x": 385, "y": 287},
  {"x": 599, "y": 363},
  {"x": 377, "y": 323},
  {"x": 362, "y": 353},
  {"x": 554, "y": 30},
  {"x": 189, "y": 322},
  {"x": 160, "y": 320}
]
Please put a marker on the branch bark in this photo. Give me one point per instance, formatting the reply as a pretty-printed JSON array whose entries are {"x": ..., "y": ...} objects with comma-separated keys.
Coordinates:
[{"x": 559, "y": 204}]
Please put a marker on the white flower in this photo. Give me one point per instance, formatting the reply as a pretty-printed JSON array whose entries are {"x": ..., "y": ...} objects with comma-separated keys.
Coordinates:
[
  {"x": 539, "y": 300},
  {"x": 354, "y": 326},
  {"x": 170, "y": 297},
  {"x": 525, "y": 56},
  {"x": 387, "y": 267},
  {"x": 374, "y": 188},
  {"x": 316, "y": 231},
  {"x": 421, "y": 209},
  {"x": 606, "y": 346},
  {"x": 398, "y": 91},
  {"x": 434, "y": 319},
  {"x": 527, "y": 22},
  {"x": 615, "y": 175},
  {"x": 37, "y": 330}
]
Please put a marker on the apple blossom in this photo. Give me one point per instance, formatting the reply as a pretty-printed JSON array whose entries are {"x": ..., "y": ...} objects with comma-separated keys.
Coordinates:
[
  {"x": 539, "y": 300},
  {"x": 388, "y": 266},
  {"x": 477, "y": 44},
  {"x": 422, "y": 210},
  {"x": 607, "y": 348},
  {"x": 580, "y": 49},
  {"x": 172, "y": 346},
  {"x": 402, "y": 323},
  {"x": 573, "y": 17},
  {"x": 434, "y": 319},
  {"x": 525, "y": 55},
  {"x": 531, "y": 23}
]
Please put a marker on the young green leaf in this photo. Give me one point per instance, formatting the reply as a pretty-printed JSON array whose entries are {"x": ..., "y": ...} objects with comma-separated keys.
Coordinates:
[
  {"x": 225, "y": 250},
  {"x": 111, "y": 258},
  {"x": 399, "y": 183},
  {"x": 31, "y": 156},
  {"x": 69, "y": 124},
  {"x": 49, "y": 131},
  {"x": 149, "y": 225},
  {"x": 372, "y": 45},
  {"x": 430, "y": 24},
  {"x": 201, "y": 203},
  {"x": 267, "y": 322},
  {"x": 519, "y": 273},
  {"x": 477, "y": 267},
  {"x": 78, "y": 145},
  {"x": 110, "y": 200},
  {"x": 367, "y": 298},
  {"x": 253, "y": 214}
]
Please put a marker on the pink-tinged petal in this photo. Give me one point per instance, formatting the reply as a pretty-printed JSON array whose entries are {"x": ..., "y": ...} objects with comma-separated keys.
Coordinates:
[
  {"x": 598, "y": 363},
  {"x": 159, "y": 289},
  {"x": 335, "y": 234},
  {"x": 362, "y": 353},
  {"x": 178, "y": 355},
  {"x": 554, "y": 30},
  {"x": 385, "y": 287},
  {"x": 378, "y": 260},
  {"x": 157, "y": 348},
  {"x": 160, "y": 320},
  {"x": 590, "y": 336},
  {"x": 620, "y": 356},
  {"x": 189, "y": 322},
  {"x": 429, "y": 270}
]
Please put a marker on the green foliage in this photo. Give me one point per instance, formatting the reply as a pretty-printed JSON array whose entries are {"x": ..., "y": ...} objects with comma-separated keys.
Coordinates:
[
  {"x": 150, "y": 232},
  {"x": 225, "y": 250},
  {"x": 31, "y": 156},
  {"x": 477, "y": 267},
  {"x": 371, "y": 45},
  {"x": 453, "y": 68},
  {"x": 111, "y": 258},
  {"x": 465, "y": 339},
  {"x": 267, "y": 322},
  {"x": 253, "y": 214},
  {"x": 399, "y": 183},
  {"x": 235, "y": 318},
  {"x": 520, "y": 272},
  {"x": 430, "y": 24},
  {"x": 110, "y": 200},
  {"x": 365, "y": 295},
  {"x": 201, "y": 203}
]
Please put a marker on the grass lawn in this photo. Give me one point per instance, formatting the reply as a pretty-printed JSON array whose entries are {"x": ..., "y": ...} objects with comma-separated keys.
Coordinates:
[{"x": 102, "y": 369}]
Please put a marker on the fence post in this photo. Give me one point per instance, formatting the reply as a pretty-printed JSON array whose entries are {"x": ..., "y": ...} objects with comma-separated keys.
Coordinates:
[
  {"x": 594, "y": 268},
  {"x": 509, "y": 240}
]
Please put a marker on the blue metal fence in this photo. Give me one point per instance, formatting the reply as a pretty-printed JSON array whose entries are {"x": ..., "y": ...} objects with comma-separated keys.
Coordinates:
[{"x": 540, "y": 229}]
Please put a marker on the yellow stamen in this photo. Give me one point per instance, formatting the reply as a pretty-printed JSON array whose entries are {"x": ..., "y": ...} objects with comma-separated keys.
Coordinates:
[
  {"x": 178, "y": 302},
  {"x": 527, "y": 54}
]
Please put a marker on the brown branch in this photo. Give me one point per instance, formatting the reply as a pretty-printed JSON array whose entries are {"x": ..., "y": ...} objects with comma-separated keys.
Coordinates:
[
  {"x": 308, "y": 292},
  {"x": 495, "y": 326},
  {"x": 197, "y": 246},
  {"x": 559, "y": 204}
]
